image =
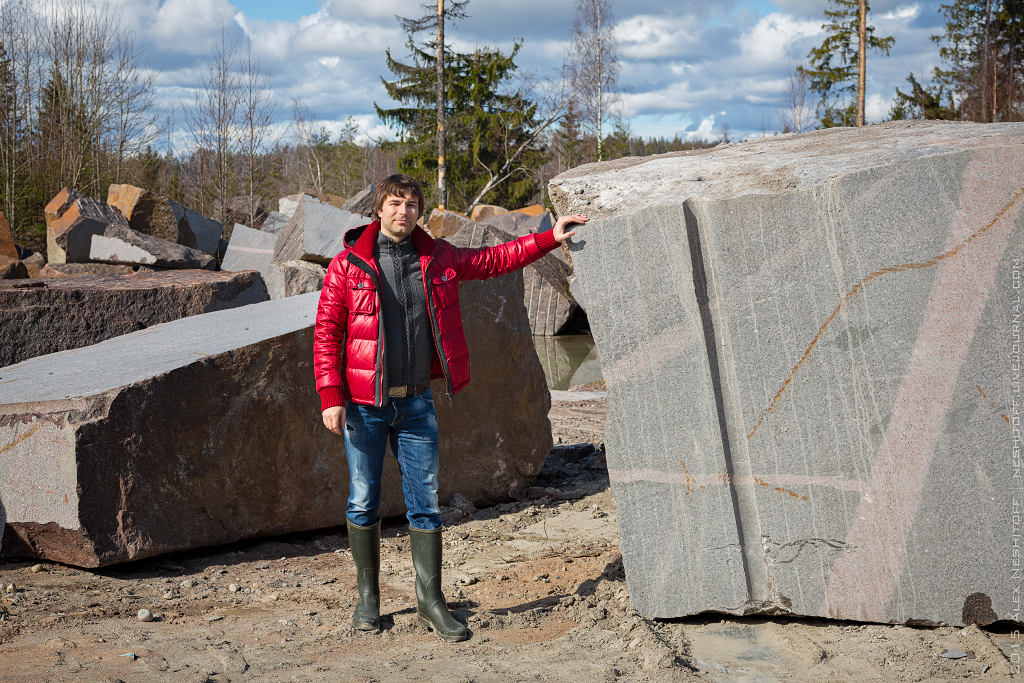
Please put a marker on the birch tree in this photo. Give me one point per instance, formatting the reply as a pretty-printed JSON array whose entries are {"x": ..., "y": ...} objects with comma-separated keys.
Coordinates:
[{"x": 593, "y": 64}]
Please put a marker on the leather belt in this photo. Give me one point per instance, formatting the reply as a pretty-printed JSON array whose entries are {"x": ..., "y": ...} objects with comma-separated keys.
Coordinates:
[{"x": 406, "y": 390}]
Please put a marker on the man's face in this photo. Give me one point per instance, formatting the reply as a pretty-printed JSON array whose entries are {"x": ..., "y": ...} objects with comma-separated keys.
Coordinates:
[{"x": 398, "y": 216}]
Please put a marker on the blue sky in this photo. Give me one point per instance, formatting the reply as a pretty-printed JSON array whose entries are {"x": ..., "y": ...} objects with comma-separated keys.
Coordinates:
[{"x": 687, "y": 65}]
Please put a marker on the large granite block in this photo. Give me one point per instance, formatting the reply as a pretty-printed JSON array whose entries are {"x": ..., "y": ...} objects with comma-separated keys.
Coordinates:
[
  {"x": 249, "y": 250},
  {"x": 71, "y": 221},
  {"x": 121, "y": 245},
  {"x": 316, "y": 232},
  {"x": 147, "y": 443},
  {"x": 810, "y": 353},
  {"x": 38, "y": 317},
  {"x": 151, "y": 214}
]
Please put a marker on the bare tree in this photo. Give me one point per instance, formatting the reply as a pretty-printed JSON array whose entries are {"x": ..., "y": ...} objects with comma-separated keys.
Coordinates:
[
  {"x": 723, "y": 132},
  {"x": 793, "y": 111},
  {"x": 17, "y": 80},
  {"x": 313, "y": 144},
  {"x": 258, "y": 111},
  {"x": 212, "y": 119},
  {"x": 593, "y": 63}
]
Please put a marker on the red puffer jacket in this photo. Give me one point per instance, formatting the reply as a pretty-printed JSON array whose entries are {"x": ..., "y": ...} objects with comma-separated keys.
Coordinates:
[{"x": 349, "y": 331}]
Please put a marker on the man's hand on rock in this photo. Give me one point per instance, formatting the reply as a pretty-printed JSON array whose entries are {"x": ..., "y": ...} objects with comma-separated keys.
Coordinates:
[
  {"x": 334, "y": 419},
  {"x": 561, "y": 232}
]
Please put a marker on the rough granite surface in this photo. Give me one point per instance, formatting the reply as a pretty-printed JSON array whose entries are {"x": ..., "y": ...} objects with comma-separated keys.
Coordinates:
[{"x": 810, "y": 350}]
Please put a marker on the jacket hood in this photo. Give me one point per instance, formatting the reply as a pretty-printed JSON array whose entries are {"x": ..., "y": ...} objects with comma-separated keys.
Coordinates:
[{"x": 352, "y": 236}]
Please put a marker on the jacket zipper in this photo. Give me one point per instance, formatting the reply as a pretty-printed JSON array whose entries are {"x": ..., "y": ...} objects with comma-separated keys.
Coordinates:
[
  {"x": 436, "y": 328},
  {"x": 380, "y": 379}
]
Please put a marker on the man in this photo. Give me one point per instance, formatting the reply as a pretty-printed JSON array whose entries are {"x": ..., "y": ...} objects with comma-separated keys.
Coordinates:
[{"x": 387, "y": 324}]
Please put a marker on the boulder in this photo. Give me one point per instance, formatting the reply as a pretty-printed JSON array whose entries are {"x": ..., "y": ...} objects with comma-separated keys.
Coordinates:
[
  {"x": 52, "y": 270},
  {"x": 533, "y": 210},
  {"x": 481, "y": 212},
  {"x": 165, "y": 218},
  {"x": 362, "y": 202},
  {"x": 38, "y": 317},
  {"x": 7, "y": 246},
  {"x": 315, "y": 233},
  {"x": 444, "y": 223},
  {"x": 824, "y": 327},
  {"x": 34, "y": 264},
  {"x": 122, "y": 245},
  {"x": 293, "y": 278},
  {"x": 145, "y": 444},
  {"x": 12, "y": 269},
  {"x": 249, "y": 250},
  {"x": 71, "y": 221},
  {"x": 275, "y": 223}
]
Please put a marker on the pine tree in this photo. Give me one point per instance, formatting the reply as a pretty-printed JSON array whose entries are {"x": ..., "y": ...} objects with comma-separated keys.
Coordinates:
[
  {"x": 484, "y": 120},
  {"x": 834, "y": 64}
]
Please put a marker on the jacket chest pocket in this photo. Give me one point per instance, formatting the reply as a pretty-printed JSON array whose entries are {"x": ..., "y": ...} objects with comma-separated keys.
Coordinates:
[
  {"x": 362, "y": 298},
  {"x": 446, "y": 289}
]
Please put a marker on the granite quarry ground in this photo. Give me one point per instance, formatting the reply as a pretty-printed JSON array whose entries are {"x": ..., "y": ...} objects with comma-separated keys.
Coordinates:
[{"x": 539, "y": 582}]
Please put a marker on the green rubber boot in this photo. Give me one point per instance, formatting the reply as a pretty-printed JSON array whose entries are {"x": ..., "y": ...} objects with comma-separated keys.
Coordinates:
[
  {"x": 431, "y": 610},
  {"x": 364, "y": 541}
]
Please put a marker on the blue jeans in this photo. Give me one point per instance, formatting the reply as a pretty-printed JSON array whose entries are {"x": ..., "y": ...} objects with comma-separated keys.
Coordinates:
[{"x": 410, "y": 424}]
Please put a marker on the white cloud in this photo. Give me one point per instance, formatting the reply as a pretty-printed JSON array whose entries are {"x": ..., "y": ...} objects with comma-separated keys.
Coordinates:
[
  {"x": 770, "y": 41},
  {"x": 876, "y": 107},
  {"x": 651, "y": 37},
  {"x": 704, "y": 130}
]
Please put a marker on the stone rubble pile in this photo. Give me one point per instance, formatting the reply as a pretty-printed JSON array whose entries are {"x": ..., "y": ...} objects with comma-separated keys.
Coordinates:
[{"x": 809, "y": 344}]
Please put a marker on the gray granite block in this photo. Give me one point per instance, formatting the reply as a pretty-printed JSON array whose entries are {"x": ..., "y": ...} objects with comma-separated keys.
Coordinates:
[
  {"x": 809, "y": 350},
  {"x": 249, "y": 250},
  {"x": 315, "y": 233},
  {"x": 275, "y": 223},
  {"x": 293, "y": 278},
  {"x": 119, "y": 244}
]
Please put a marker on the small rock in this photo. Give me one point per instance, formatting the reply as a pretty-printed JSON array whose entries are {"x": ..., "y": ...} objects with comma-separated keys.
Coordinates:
[
  {"x": 234, "y": 588},
  {"x": 145, "y": 615},
  {"x": 261, "y": 565},
  {"x": 169, "y": 595},
  {"x": 953, "y": 653},
  {"x": 273, "y": 596},
  {"x": 214, "y": 617},
  {"x": 36, "y": 568},
  {"x": 188, "y": 583},
  {"x": 11, "y": 588}
]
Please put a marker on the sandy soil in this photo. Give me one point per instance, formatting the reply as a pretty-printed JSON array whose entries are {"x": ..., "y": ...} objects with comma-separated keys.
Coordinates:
[{"x": 539, "y": 582}]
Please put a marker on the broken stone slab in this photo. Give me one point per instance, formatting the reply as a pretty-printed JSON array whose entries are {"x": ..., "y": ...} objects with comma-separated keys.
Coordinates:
[
  {"x": 112, "y": 461},
  {"x": 288, "y": 205},
  {"x": 445, "y": 223},
  {"x": 249, "y": 250},
  {"x": 293, "y": 278},
  {"x": 71, "y": 221},
  {"x": 315, "y": 233},
  {"x": 54, "y": 270},
  {"x": 275, "y": 223},
  {"x": 38, "y": 317},
  {"x": 122, "y": 245},
  {"x": 822, "y": 324},
  {"x": 151, "y": 214},
  {"x": 362, "y": 202},
  {"x": 7, "y": 246}
]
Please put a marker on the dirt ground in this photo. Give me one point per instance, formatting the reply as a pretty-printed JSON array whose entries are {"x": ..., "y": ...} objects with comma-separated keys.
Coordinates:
[{"x": 539, "y": 583}]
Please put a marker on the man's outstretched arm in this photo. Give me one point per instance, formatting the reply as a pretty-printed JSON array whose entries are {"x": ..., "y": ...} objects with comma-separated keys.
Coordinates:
[{"x": 488, "y": 262}]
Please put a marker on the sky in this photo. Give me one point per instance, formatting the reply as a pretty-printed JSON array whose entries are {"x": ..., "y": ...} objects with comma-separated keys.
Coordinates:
[{"x": 687, "y": 66}]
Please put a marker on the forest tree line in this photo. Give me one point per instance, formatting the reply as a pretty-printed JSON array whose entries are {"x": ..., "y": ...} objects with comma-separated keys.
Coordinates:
[{"x": 78, "y": 108}]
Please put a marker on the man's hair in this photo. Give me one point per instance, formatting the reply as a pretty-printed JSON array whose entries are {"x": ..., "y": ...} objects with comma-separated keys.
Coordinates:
[{"x": 398, "y": 185}]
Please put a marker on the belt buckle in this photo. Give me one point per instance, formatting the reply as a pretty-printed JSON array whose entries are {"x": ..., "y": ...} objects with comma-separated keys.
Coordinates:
[{"x": 398, "y": 392}]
